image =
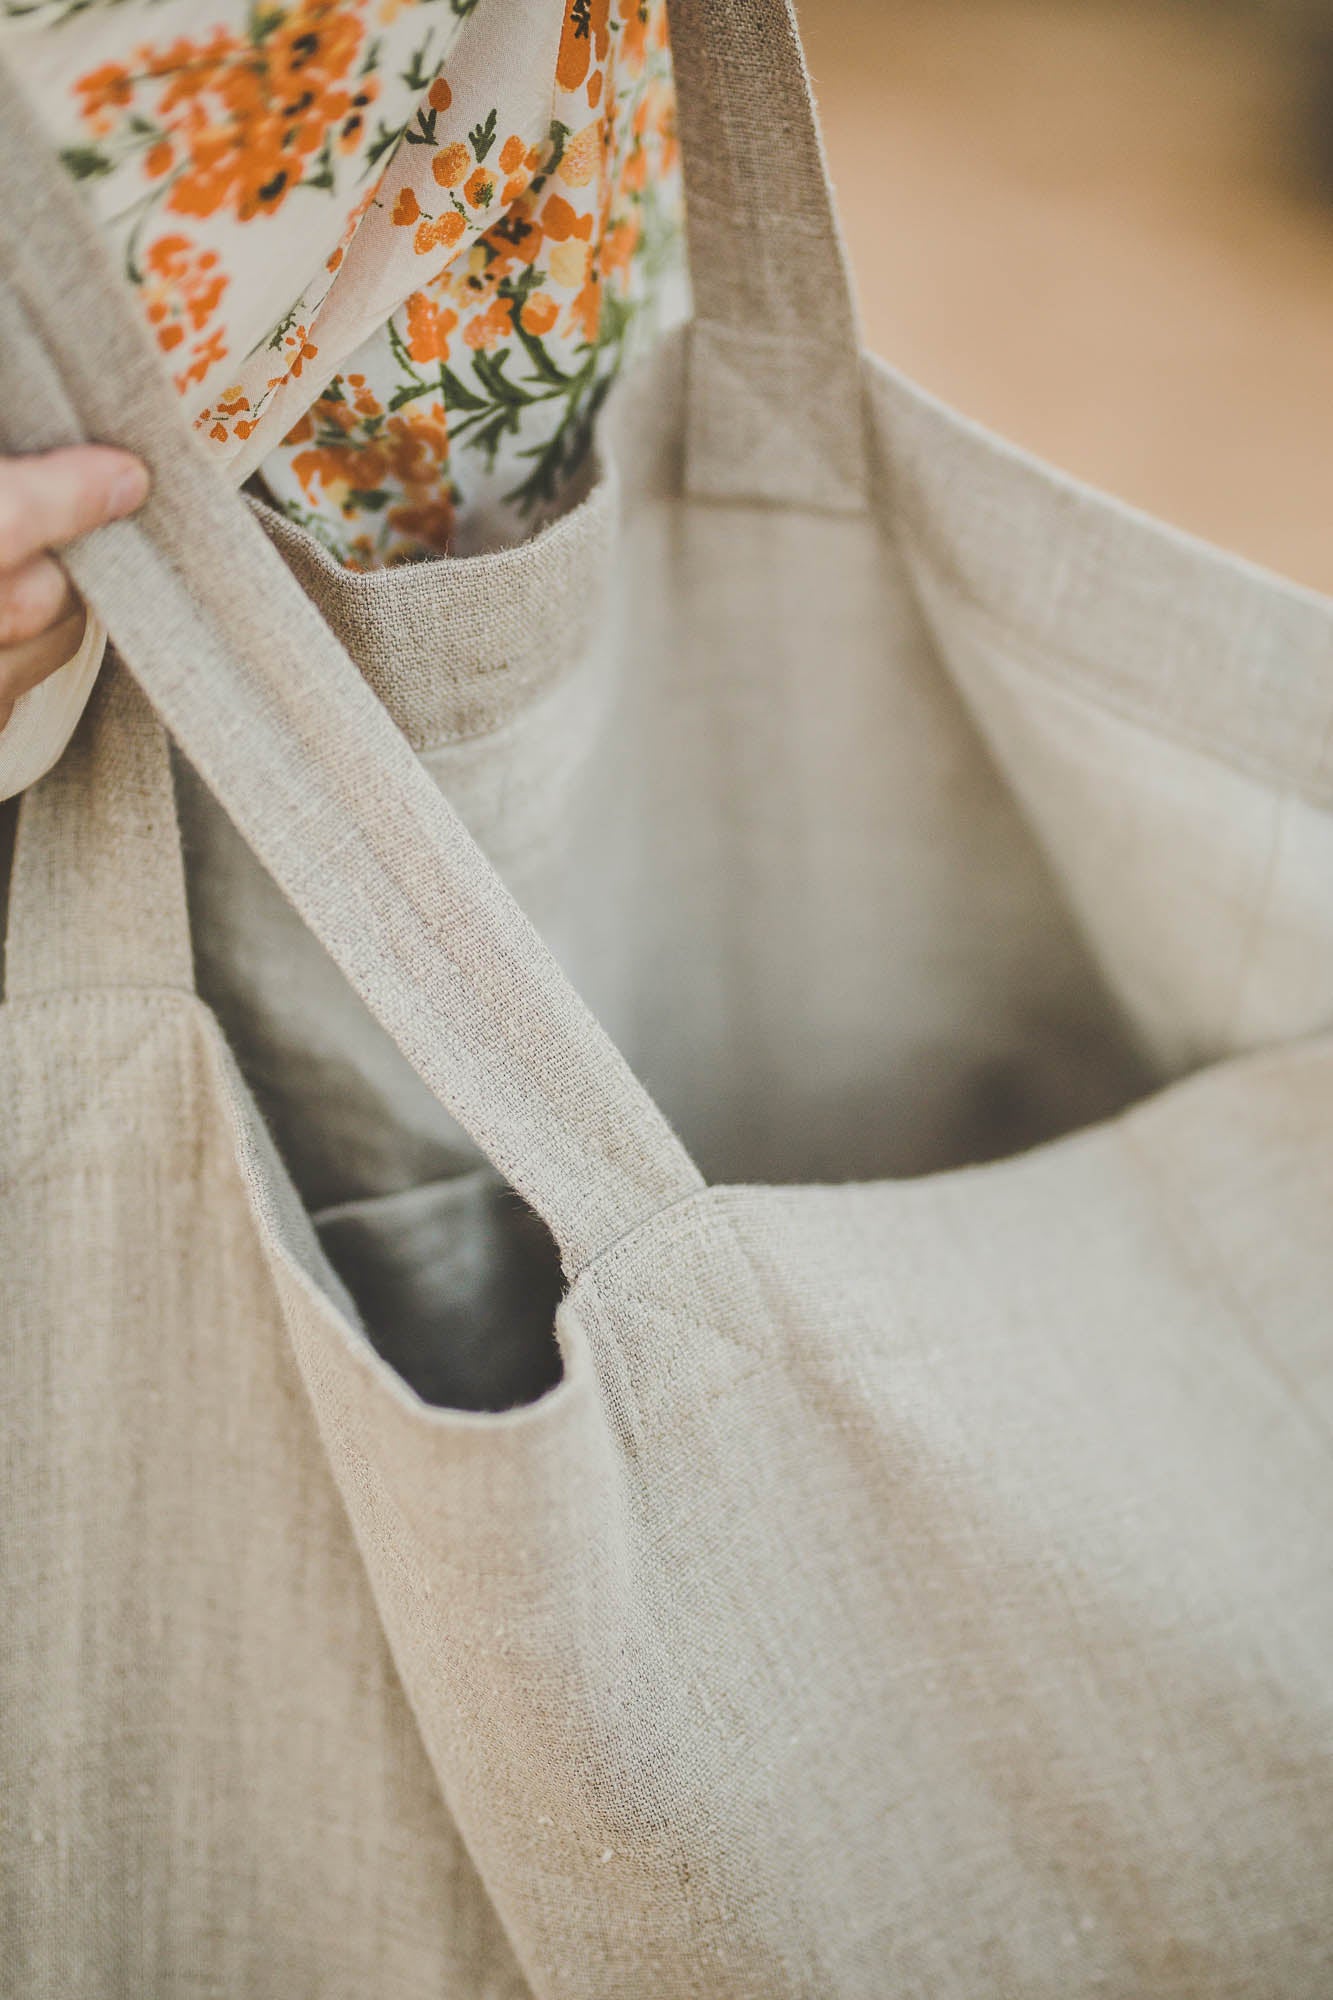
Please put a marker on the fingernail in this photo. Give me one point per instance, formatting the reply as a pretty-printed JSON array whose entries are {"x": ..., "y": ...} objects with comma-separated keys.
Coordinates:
[{"x": 129, "y": 489}]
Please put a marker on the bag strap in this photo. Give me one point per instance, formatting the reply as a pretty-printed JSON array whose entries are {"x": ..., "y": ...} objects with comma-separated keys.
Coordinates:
[
  {"x": 775, "y": 401},
  {"x": 97, "y": 886}
]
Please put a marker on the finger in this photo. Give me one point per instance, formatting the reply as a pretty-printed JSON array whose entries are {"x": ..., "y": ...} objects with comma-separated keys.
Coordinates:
[
  {"x": 32, "y": 597},
  {"x": 45, "y": 501},
  {"x": 33, "y": 660}
]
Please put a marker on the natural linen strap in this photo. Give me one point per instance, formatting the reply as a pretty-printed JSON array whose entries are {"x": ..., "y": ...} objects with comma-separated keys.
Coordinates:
[
  {"x": 775, "y": 407},
  {"x": 98, "y": 890},
  {"x": 286, "y": 733}
]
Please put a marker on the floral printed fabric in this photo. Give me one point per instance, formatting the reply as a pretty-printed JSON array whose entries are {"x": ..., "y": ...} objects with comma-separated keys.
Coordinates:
[
  {"x": 476, "y": 403},
  {"x": 395, "y": 251}
]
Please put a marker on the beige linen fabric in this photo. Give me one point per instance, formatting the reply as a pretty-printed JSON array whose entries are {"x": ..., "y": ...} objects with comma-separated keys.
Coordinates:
[{"x": 917, "y": 1585}]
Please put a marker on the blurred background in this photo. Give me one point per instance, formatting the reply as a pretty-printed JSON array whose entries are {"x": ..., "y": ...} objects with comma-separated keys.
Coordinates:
[{"x": 1105, "y": 228}]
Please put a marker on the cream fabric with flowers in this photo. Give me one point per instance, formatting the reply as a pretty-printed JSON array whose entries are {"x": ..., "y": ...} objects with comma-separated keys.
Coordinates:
[{"x": 395, "y": 250}]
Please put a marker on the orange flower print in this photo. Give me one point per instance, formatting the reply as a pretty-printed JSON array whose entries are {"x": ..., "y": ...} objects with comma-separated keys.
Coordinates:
[
  {"x": 619, "y": 244},
  {"x": 104, "y": 91},
  {"x": 206, "y": 354},
  {"x": 182, "y": 286},
  {"x": 417, "y": 445},
  {"x": 274, "y": 106},
  {"x": 334, "y": 470},
  {"x": 234, "y": 119},
  {"x": 299, "y": 350},
  {"x": 451, "y": 164},
  {"x": 480, "y": 189},
  {"x": 364, "y": 401},
  {"x": 560, "y": 222},
  {"x": 634, "y": 37},
  {"x": 539, "y": 313},
  {"x": 582, "y": 156},
  {"x": 442, "y": 233},
  {"x": 586, "y": 34},
  {"x": 540, "y": 303},
  {"x": 586, "y": 311},
  {"x": 428, "y": 329},
  {"x": 487, "y": 389},
  {"x": 491, "y": 327},
  {"x": 393, "y": 474},
  {"x": 431, "y": 522},
  {"x": 232, "y": 417},
  {"x": 515, "y": 239}
]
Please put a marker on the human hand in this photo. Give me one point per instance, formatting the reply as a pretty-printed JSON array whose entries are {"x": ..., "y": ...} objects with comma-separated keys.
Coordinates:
[{"x": 47, "y": 500}]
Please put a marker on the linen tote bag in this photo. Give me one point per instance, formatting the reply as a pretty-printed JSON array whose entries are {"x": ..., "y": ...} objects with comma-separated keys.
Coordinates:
[{"x": 917, "y": 1581}]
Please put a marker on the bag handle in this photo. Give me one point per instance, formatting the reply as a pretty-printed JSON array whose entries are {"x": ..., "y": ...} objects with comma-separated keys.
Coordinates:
[
  {"x": 97, "y": 884},
  {"x": 775, "y": 401}
]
